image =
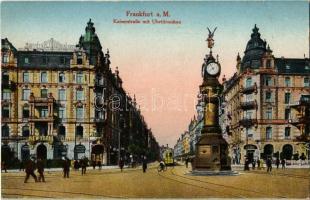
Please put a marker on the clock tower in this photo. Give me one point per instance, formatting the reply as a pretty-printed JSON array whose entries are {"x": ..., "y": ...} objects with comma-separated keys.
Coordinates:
[{"x": 211, "y": 148}]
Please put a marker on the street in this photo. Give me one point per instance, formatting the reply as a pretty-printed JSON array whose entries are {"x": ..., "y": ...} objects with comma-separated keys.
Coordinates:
[{"x": 173, "y": 183}]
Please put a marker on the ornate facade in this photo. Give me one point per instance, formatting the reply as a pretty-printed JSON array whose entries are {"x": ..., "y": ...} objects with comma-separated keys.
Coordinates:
[
  {"x": 58, "y": 102},
  {"x": 257, "y": 103}
]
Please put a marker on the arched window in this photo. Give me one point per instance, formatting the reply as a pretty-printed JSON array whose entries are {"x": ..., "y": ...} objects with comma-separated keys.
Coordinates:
[
  {"x": 26, "y": 131},
  {"x": 61, "y": 78},
  {"x": 62, "y": 131},
  {"x": 5, "y": 111},
  {"x": 248, "y": 82},
  {"x": 5, "y": 131}
]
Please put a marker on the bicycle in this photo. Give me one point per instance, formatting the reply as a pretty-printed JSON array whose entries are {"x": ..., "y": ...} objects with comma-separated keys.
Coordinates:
[{"x": 161, "y": 168}]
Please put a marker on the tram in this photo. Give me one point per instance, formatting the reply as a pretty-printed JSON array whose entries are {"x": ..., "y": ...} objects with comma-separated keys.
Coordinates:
[{"x": 167, "y": 156}]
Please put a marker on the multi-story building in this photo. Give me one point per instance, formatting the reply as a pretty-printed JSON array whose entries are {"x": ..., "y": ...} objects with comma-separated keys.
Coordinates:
[
  {"x": 64, "y": 100},
  {"x": 257, "y": 100}
]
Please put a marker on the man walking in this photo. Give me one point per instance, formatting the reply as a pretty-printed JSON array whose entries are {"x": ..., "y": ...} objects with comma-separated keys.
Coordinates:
[
  {"x": 30, "y": 167},
  {"x": 269, "y": 164},
  {"x": 40, "y": 166},
  {"x": 283, "y": 163},
  {"x": 83, "y": 165},
  {"x": 144, "y": 164},
  {"x": 121, "y": 164},
  {"x": 66, "y": 167},
  {"x": 278, "y": 163}
]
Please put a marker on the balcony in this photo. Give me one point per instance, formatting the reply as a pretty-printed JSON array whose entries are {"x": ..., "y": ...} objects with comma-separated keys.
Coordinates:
[
  {"x": 41, "y": 119},
  {"x": 247, "y": 122},
  {"x": 49, "y": 99},
  {"x": 248, "y": 105},
  {"x": 40, "y": 138},
  {"x": 249, "y": 89}
]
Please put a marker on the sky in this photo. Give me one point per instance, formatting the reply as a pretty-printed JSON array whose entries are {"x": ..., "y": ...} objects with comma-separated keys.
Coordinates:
[{"x": 161, "y": 63}]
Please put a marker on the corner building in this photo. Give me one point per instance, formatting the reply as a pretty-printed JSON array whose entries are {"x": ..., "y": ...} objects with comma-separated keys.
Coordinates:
[
  {"x": 257, "y": 112},
  {"x": 56, "y": 101}
]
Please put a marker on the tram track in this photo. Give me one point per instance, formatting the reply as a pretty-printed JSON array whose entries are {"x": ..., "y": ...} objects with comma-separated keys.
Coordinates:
[
  {"x": 198, "y": 186},
  {"x": 280, "y": 174},
  {"x": 261, "y": 193}
]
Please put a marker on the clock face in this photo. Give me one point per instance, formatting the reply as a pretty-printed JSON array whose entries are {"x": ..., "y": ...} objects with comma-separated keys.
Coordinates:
[{"x": 213, "y": 68}]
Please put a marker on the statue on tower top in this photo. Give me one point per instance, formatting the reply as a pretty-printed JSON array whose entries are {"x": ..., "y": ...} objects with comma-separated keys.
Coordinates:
[{"x": 210, "y": 38}]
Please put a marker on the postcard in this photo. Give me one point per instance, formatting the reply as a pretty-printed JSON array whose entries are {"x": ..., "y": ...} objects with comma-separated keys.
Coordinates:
[{"x": 155, "y": 99}]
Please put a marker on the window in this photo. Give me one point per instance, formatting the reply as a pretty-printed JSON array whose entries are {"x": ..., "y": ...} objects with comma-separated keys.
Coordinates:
[
  {"x": 61, "y": 78},
  {"x": 287, "y": 81},
  {"x": 26, "y": 60},
  {"x": 26, "y": 131},
  {"x": 79, "y": 95},
  {"x": 248, "y": 115},
  {"x": 43, "y": 77},
  {"x": 287, "y": 132},
  {"x": 5, "y": 131},
  {"x": 5, "y": 111},
  {"x": 248, "y": 82},
  {"x": 268, "y": 81},
  {"x": 269, "y": 133},
  {"x": 287, "y": 113},
  {"x": 268, "y": 96},
  {"x": 5, "y": 59},
  {"x": 287, "y": 98},
  {"x": 26, "y": 94},
  {"x": 26, "y": 77},
  {"x": 269, "y": 113},
  {"x": 5, "y": 78},
  {"x": 268, "y": 64},
  {"x": 44, "y": 112},
  {"x": 62, "y": 60},
  {"x": 79, "y": 77},
  {"x": 306, "y": 82},
  {"x": 44, "y": 93},
  {"x": 6, "y": 94},
  {"x": 62, "y": 94},
  {"x": 79, "y": 113},
  {"x": 62, "y": 112},
  {"x": 249, "y": 97},
  {"x": 26, "y": 112}
]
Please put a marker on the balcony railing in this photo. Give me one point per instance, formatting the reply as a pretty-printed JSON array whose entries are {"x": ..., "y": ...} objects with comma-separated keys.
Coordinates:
[
  {"x": 249, "y": 89},
  {"x": 247, "y": 122},
  {"x": 48, "y": 99},
  {"x": 248, "y": 105},
  {"x": 41, "y": 119}
]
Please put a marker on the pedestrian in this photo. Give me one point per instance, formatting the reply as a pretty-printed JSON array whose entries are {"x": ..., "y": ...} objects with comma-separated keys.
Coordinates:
[
  {"x": 76, "y": 165},
  {"x": 30, "y": 167},
  {"x": 4, "y": 167},
  {"x": 99, "y": 164},
  {"x": 186, "y": 162},
  {"x": 66, "y": 167},
  {"x": 144, "y": 164},
  {"x": 83, "y": 165},
  {"x": 253, "y": 164},
  {"x": 278, "y": 163},
  {"x": 283, "y": 163},
  {"x": 269, "y": 164},
  {"x": 246, "y": 164},
  {"x": 258, "y": 164},
  {"x": 40, "y": 166},
  {"x": 121, "y": 164}
]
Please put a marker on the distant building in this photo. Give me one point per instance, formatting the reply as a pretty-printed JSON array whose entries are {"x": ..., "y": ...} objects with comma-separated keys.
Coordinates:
[{"x": 257, "y": 103}]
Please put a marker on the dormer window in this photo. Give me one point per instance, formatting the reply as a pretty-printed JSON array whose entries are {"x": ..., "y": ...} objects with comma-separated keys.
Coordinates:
[
  {"x": 5, "y": 59},
  {"x": 26, "y": 60},
  {"x": 287, "y": 67},
  {"x": 268, "y": 64},
  {"x": 307, "y": 67}
]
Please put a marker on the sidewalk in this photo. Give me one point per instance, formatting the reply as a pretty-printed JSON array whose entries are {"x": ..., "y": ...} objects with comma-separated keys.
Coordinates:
[{"x": 305, "y": 166}]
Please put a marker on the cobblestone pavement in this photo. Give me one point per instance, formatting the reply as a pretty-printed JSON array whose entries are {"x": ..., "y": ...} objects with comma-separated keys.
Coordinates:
[{"x": 173, "y": 183}]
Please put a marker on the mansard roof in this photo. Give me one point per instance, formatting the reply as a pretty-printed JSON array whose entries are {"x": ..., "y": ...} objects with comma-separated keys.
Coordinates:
[
  {"x": 293, "y": 66},
  {"x": 7, "y": 45}
]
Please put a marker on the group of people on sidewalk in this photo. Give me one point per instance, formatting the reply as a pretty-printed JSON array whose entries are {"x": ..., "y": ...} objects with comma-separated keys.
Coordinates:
[
  {"x": 260, "y": 164},
  {"x": 121, "y": 164}
]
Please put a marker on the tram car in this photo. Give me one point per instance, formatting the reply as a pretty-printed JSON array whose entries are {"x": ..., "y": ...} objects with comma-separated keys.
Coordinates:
[{"x": 167, "y": 157}]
